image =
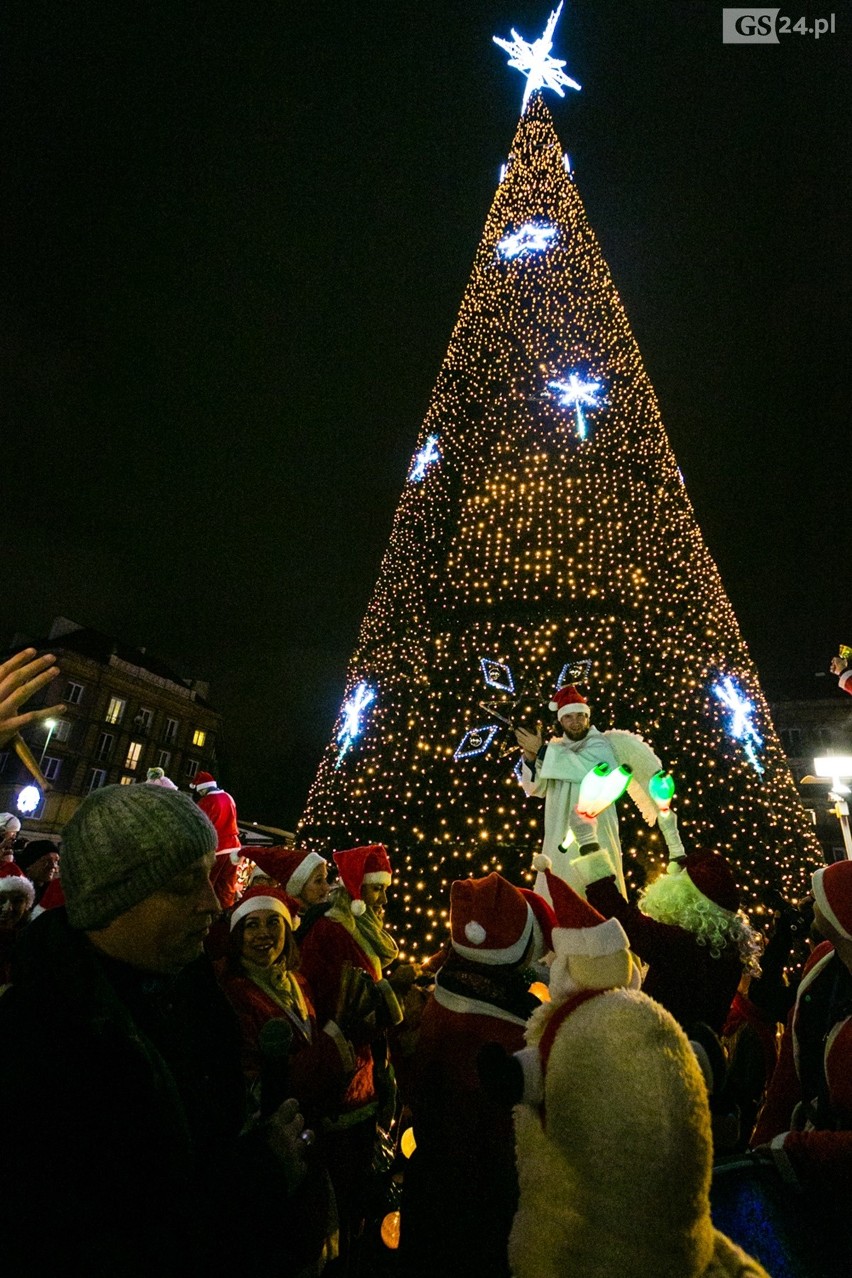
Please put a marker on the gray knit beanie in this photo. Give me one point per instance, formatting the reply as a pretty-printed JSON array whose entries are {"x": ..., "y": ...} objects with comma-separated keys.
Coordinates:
[{"x": 124, "y": 843}]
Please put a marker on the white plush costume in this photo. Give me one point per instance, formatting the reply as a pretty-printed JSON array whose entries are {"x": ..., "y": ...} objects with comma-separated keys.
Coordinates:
[{"x": 613, "y": 1142}]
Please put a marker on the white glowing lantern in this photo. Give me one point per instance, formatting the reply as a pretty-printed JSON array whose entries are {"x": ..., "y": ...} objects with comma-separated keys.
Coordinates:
[
  {"x": 601, "y": 787},
  {"x": 29, "y": 799}
]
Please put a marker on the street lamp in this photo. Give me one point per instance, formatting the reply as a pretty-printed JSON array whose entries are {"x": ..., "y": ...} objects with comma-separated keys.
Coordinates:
[
  {"x": 50, "y": 724},
  {"x": 836, "y": 769}
]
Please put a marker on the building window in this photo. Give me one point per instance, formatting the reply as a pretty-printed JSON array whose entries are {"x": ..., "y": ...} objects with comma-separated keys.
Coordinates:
[
  {"x": 191, "y": 767},
  {"x": 116, "y": 709},
  {"x": 164, "y": 758},
  {"x": 103, "y": 750},
  {"x": 97, "y": 778},
  {"x": 127, "y": 780},
  {"x": 4, "y": 759},
  {"x": 170, "y": 733},
  {"x": 62, "y": 730},
  {"x": 133, "y": 752},
  {"x": 50, "y": 767},
  {"x": 143, "y": 720},
  {"x": 73, "y": 693},
  {"x": 199, "y": 736}
]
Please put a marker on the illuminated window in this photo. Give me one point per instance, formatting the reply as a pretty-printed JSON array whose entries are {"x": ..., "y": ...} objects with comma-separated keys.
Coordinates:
[
  {"x": 97, "y": 778},
  {"x": 125, "y": 780},
  {"x": 133, "y": 752},
  {"x": 116, "y": 709},
  {"x": 50, "y": 767},
  {"x": 199, "y": 736},
  {"x": 170, "y": 733},
  {"x": 103, "y": 750},
  {"x": 164, "y": 758},
  {"x": 73, "y": 693},
  {"x": 191, "y": 767}
]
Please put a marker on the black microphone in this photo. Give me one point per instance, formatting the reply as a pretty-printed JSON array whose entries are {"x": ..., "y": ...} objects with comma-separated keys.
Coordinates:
[{"x": 275, "y": 1040}]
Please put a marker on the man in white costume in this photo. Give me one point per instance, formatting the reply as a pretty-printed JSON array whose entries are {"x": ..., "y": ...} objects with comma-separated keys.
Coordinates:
[{"x": 554, "y": 772}]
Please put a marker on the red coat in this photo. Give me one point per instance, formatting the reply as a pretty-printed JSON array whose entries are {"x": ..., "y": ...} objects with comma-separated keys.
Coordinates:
[
  {"x": 682, "y": 974},
  {"x": 460, "y": 1192},
  {"x": 222, "y": 811},
  {"x": 317, "y": 1069},
  {"x": 327, "y": 948},
  {"x": 811, "y": 1156}
]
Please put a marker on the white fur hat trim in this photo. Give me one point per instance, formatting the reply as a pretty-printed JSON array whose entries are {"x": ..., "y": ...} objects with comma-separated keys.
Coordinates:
[
  {"x": 591, "y": 942},
  {"x": 475, "y": 933},
  {"x": 542, "y": 862},
  {"x": 259, "y": 903}
]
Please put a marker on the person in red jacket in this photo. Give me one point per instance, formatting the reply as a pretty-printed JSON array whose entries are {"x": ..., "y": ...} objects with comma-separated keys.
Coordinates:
[
  {"x": 461, "y": 1190},
  {"x": 840, "y": 667},
  {"x": 218, "y": 806},
  {"x": 344, "y": 958}
]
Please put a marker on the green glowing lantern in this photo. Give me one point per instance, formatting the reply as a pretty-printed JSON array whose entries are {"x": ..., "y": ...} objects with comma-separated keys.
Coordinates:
[{"x": 661, "y": 788}]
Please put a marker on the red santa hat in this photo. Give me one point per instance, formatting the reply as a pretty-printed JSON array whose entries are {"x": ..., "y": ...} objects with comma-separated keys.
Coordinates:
[
  {"x": 568, "y": 701},
  {"x": 711, "y": 874},
  {"x": 544, "y": 921},
  {"x": 357, "y": 866},
  {"x": 832, "y": 886},
  {"x": 201, "y": 780},
  {"x": 291, "y": 867},
  {"x": 592, "y": 951},
  {"x": 261, "y": 898},
  {"x": 491, "y": 920}
]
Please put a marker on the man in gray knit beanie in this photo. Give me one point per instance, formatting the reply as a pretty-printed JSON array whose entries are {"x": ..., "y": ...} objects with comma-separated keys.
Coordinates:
[{"x": 124, "y": 1060}]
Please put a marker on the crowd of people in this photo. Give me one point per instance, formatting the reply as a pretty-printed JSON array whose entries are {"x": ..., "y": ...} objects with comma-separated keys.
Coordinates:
[{"x": 204, "y": 1046}]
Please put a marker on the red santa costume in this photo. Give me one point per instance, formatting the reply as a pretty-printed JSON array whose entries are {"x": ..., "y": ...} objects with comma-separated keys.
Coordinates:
[
  {"x": 222, "y": 811},
  {"x": 9, "y": 828},
  {"x": 460, "y": 1188},
  {"x": 807, "y": 1118},
  {"x": 319, "y": 1061},
  {"x": 614, "y": 1144},
  {"x": 350, "y": 939}
]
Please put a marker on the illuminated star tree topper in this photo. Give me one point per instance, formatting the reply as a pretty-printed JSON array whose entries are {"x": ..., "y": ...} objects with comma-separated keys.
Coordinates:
[
  {"x": 532, "y": 237},
  {"x": 534, "y": 61},
  {"x": 574, "y": 394}
]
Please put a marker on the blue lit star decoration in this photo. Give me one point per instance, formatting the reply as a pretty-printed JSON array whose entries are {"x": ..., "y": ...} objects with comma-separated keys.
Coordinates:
[
  {"x": 534, "y": 61},
  {"x": 574, "y": 672},
  {"x": 740, "y": 725},
  {"x": 577, "y": 394},
  {"x": 497, "y": 674},
  {"x": 514, "y": 706},
  {"x": 429, "y": 455},
  {"x": 476, "y": 741},
  {"x": 354, "y": 707},
  {"x": 532, "y": 237}
]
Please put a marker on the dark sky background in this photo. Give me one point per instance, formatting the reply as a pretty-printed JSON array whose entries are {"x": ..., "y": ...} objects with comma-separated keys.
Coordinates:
[{"x": 235, "y": 238}]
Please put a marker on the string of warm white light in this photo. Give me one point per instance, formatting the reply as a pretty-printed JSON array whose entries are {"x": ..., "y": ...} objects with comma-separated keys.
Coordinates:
[{"x": 534, "y": 548}]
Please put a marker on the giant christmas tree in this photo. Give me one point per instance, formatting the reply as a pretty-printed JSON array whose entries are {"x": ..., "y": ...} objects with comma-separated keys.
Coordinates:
[{"x": 545, "y": 533}]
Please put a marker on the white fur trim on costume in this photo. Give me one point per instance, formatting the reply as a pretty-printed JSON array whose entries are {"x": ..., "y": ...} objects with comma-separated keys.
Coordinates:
[
  {"x": 822, "y": 901},
  {"x": 505, "y": 957},
  {"x": 574, "y": 707},
  {"x": 542, "y": 862},
  {"x": 591, "y": 942},
  {"x": 255, "y": 903},
  {"x": 593, "y": 866},
  {"x": 475, "y": 933},
  {"x": 377, "y": 876},
  {"x": 358, "y": 908},
  {"x": 303, "y": 872},
  {"x": 473, "y": 1006}
]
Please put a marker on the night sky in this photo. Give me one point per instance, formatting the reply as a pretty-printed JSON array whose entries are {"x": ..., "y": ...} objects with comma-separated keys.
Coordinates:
[{"x": 235, "y": 238}]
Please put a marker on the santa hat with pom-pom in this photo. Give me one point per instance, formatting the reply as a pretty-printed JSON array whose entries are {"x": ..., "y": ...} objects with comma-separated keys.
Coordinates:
[
  {"x": 593, "y": 952},
  {"x": 491, "y": 921},
  {"x": 291, "y": 867},
  {"x": 568, "y": 701},
  {"x": 357, "y": 866}
]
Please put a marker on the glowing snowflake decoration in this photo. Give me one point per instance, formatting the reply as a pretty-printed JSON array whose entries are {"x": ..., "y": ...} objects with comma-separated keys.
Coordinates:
[
  {"x": 532, "y": 237},
  {"x": 429, "y": 455},
  {"x": 534, "y": 60},
  {"x": 578, "y": 394},
  {"x": 358, "y": 701},
  {"x": 476, "y": 741},
  {"x": 740, "y": 726}
]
